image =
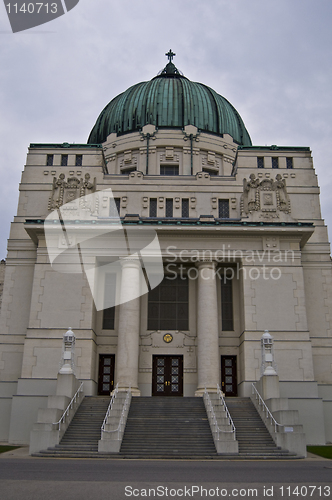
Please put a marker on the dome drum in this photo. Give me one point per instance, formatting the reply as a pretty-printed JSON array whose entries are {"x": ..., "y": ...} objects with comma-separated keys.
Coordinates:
[{"x": 175, "y": 148}]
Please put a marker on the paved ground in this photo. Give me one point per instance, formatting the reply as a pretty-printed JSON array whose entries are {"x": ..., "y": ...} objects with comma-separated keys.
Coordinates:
[{"x": 23, "y": 477}]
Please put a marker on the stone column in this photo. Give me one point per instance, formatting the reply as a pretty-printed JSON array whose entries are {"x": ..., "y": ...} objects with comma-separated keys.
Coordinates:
[
  {"x": 129, "y": 324},
  {"x": 207, "y": 329}
]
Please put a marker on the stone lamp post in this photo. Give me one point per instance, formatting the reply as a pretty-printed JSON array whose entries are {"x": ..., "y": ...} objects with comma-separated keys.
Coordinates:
[
  {"x": 67, "y": 364},
  {"x": 269, "y": 382},
  {"x": 268, "y": 366},
  {"x": 48, "y": 431}
]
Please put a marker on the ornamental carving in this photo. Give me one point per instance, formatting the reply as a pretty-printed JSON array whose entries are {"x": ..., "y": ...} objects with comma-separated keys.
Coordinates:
[
  {"x": 157, "y": 339},
  {"x": 64, "y": 191},
  {"x": 265, "y": 200}
]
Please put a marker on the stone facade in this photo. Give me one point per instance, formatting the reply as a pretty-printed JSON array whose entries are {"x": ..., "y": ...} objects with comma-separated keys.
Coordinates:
[{"x": 253, "y": 218}]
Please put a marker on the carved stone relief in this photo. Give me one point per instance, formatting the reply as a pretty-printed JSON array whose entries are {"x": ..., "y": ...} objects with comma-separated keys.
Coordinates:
[
  {"x": 64, "y": 191},
  {"x": 179, "y": 340},
  {"x": 266, "y": 199}
]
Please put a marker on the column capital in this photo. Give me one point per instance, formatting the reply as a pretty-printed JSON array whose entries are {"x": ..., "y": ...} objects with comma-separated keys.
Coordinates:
[
  {"x": 131, "y": 261},
  {"x": 210, "y": 264}
]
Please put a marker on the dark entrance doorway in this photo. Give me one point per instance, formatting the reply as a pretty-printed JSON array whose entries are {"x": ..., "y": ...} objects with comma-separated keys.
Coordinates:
[
  {"x": 228, "y": 375},
  {"x": 167, "y": 376},
  {"x": 106, "y": 374}
]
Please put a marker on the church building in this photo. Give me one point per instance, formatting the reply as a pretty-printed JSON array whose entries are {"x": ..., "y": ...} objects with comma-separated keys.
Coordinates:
[{"x": 198, "y": 241}]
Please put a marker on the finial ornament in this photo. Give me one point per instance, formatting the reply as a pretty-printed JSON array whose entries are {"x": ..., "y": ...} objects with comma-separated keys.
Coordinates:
[{"x": 170, "y": 55}]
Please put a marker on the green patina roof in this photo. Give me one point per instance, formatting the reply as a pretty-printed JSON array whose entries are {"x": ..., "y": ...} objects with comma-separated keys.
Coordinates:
[{"x": 169, "y": 100}]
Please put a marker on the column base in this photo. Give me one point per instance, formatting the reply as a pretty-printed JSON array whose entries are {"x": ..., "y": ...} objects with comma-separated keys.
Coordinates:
[
  {"x": 134, "y": 390},
  {"x": 200, "y": 392}
]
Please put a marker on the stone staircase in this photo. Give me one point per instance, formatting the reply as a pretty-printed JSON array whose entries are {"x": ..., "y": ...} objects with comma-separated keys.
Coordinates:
[
  {"x": 167, "y": 427},
  {"x": 82, "y": 436},
  {"x": 255, "y": 441}
]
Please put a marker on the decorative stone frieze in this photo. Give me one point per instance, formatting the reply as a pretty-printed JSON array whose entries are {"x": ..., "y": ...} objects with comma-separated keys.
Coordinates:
[
  {"x": 127, "y": 157},
  {"x": 155, "y": 339},
  {"x": 211, "y": 158},
  {"x": 169, "y": 155}
]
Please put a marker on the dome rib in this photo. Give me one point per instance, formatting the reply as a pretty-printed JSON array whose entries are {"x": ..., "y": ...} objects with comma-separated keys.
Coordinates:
[
  {"x": 169, "y": 101},
  {"x": 134, "y": 101}
]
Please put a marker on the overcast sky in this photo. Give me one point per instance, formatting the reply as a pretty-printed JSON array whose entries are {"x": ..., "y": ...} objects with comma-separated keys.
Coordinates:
[{"x": 270, "y": 59}]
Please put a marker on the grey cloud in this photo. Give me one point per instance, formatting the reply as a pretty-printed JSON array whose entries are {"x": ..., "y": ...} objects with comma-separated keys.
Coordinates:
[{"x": 271, "y": 60}]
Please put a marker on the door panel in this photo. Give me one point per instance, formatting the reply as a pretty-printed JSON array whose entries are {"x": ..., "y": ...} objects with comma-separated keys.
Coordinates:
[
  {"x": 106, "y": 374},
  {"x": 229, "y": 375},
  {"x": 167, "y": 376}
]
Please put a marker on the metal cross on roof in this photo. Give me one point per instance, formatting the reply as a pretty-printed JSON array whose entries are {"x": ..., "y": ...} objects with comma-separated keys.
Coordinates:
[{"x": 170, "y": 55}]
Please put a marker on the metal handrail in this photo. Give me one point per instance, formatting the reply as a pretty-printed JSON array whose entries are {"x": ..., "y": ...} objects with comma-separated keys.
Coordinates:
[
  {"x": 210, "y": 409},
  {"x": 69, "y": 407},
  {"x": 221, "y": 397},
  {"x": 213, "y": 415},
  {"x": 268, "y": 413},
  {"x": 116, "y": 390},
  {"x": 124, "y": 409}
]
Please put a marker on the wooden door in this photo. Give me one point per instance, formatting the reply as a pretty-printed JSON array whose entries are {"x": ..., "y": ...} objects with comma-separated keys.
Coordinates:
[
  {"x": 167, "y": 376},
  {"x": 106, "y": 374},
  {"x": 228, "y": 375}
]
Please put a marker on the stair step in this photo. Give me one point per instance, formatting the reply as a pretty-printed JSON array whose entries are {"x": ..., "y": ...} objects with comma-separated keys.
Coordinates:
[
  {"x": 167, "y": 426},
  {"x": 251, "y": 433},
  {"x": 82, "y": 436}
]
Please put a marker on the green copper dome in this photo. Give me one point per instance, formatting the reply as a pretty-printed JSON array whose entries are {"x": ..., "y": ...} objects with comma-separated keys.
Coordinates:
[{"x": 169, "y": 101}]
